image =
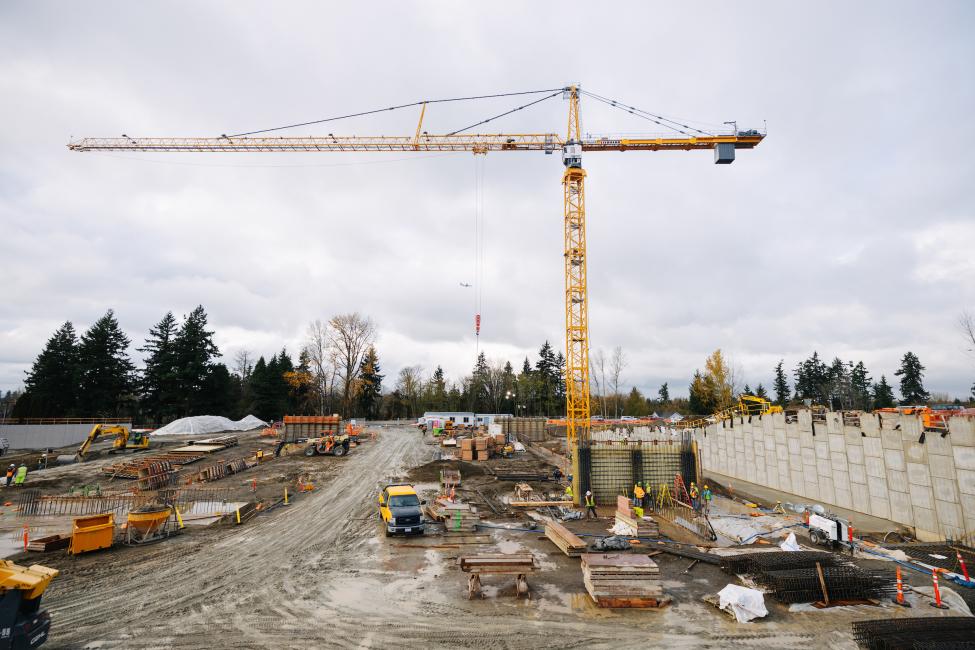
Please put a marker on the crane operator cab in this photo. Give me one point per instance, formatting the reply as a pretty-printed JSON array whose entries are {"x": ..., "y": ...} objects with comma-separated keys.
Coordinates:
[{"x": 572, "y": 154}]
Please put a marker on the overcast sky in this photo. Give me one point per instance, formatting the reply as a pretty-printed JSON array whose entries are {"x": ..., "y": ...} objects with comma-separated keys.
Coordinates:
[{"x": 850, "y": 230}]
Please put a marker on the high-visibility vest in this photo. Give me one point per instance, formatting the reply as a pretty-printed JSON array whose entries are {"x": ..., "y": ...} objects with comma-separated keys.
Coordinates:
[
  {"x": 591, "y": 501},
  {"x": 568, "y": 491},
  {"x": 693, "y": 492},
  {"x": 638, "y": 492},
  {"x": 21, "y": 474}
]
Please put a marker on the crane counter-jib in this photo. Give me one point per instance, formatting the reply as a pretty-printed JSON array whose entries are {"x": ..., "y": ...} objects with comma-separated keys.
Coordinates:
[{"x": 477, "y": 143}]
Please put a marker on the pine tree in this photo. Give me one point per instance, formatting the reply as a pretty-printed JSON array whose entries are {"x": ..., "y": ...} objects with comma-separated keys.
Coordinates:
[
  {"x": 883, "y": 394},
  {"x": 761, "y": 392},
  {"x": 527, "y": 390},
  {"x": 911, "y": 373},
  {"x": 635, "y": 403},
  {"x": 747, "y": 390},
  {"x": 664, "y": 394},
  {"x": 547, "y": 375},
  {"x": 281, "y": 389},
  {"x": 195, "y": 352},
  {"x": 812, "y": 380},
  {"x": 476, "y": 393},
  {"x": 510, "y": 387},
  {"x": 781, "y": 385},
  {"x": 107, "y": 375},
  {"x": 701, "y": 400},
  {"x": 160, "y": 376},
  {"x": 860, "y": 386},
  {"x": 263, "y": 399},
  {"x": 52, "y": 382},
  {"x": 559, "y": 378},
  {"x": 437, "y": 391},
  {"x": 370, "y": 396}
]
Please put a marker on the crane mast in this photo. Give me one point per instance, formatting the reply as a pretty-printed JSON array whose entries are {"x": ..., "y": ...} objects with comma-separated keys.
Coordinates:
[{"x": 576, "y": 289}]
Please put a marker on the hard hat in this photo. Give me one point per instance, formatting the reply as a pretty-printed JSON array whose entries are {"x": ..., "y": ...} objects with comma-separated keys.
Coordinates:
[
  {"x": 706, "y": 487},
  {"x": 588, "y": 493}
]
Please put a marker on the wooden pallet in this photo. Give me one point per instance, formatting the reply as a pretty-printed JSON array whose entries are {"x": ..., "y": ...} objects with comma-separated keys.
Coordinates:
[
  {"x": 457, "y": 517},
  {"x": 565, "y": 539}
]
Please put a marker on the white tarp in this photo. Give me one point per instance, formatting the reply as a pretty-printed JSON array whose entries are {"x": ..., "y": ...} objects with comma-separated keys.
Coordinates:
[
  {"x": 790, "y": 544},
  {"x": 744, "y": 602},
  {"x": 206, "y": 424}
]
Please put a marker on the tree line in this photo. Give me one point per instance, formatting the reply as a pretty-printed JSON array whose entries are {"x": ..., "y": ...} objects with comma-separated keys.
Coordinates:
[{"x": 337, "y": 369}]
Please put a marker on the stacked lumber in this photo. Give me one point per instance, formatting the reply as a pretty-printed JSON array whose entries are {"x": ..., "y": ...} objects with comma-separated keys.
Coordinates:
[
  {"x": 622, "y": 580},
  {"x": 457, "y": 517},
  {"x": 565, "y": 539},
  {"x": 467, "y": 449},
  {"x": 481, "y": 448},
  {"x": 636, "y": 526},
  {"x": 522, "y": 563},
  {"x": 224, "y": 441}
]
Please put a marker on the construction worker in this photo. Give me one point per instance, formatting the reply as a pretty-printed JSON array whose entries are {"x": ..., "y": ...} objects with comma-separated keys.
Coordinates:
[
  {"x": 568, "y": 493},
  {"x": 694, "y": 497},
  {"x": 647, "y": 495},
  {"x": 707, "y": 499},
  {"x": 10, "y": 473},
  {"x": 638, "y": 495},
  {"x": 21, "y": 474},
  {"x": 591, "y": 505}
]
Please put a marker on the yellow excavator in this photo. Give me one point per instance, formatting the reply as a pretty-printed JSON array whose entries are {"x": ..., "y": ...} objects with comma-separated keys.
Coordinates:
[{"x": 124, "y": 439}]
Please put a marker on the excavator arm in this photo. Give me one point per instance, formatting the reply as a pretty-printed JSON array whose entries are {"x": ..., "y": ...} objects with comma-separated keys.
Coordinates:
[{"x": 99, "y": 430}]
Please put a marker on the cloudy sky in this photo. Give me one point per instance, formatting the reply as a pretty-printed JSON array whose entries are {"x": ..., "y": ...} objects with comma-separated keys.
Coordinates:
[{"x": 850, "y": 230}]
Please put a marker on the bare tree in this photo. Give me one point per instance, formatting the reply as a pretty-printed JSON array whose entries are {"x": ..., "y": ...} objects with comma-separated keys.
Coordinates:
[
  {"x": 409, "y": 383},
  {"x": 349, "y": 336},
  {"x": 244, "y": 364},
  {"x": 599, "y": 376},
  {"x": 321, "y": 359},
  {"x": 966, "y": 321},
  {"x": 617, "y": 363},
  {"x": 493, "y": 384}
]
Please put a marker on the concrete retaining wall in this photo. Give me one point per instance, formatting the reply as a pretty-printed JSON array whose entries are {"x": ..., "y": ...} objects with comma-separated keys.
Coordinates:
[
  {"x": 41, "y": 436},
  {"x": 878, "y": 467}
]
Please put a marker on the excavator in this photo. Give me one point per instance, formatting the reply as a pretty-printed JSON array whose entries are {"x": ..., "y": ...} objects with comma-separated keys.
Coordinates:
[{"x": 125, "y": 439}]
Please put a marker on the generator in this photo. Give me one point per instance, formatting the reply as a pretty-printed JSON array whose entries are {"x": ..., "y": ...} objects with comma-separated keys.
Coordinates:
[{"x": 829, "y": 530}]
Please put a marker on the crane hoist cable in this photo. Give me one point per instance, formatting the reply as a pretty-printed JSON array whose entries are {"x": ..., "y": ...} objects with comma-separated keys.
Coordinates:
[{"x": 646, "y": 115}]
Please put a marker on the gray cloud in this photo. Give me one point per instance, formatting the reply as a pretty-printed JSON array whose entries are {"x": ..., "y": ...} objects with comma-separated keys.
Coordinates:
[{"x": 848, "y": 231}]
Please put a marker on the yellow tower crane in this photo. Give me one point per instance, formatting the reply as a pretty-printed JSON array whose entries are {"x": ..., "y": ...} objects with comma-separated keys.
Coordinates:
[{"x": 573, "y": 145}]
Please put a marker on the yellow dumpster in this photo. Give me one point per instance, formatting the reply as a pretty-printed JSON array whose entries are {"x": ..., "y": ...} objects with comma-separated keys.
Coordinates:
[{"x": 92, "y": 533}]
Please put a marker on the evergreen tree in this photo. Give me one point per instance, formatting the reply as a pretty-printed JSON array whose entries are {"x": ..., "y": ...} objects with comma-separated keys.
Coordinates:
[
  {"x": 370, "y": 395},
  {"x": 510, "y": 387},
  {"x": 437, "y": 399},
  {"x": 218, "y": 395},
  {"x": 107, "y": 375},
  {"x": 635, "y": 403},
  {"x": 301, "y": 397},
  {"x": 194, "y": 352},
  {"x": 883, "y": 394},
  {"x": 702, "y": 401},
  {"x": 860, "y": 387},
  {"x": 476, "y": 393},
  {"x": 527, "y": 390},
  {"x": 52, "y": 382},
  {"x": 761, "y": 392},
  {"x": 279, "y": 382},
  {"x": 160, "y": 377},
  {"x": 839, "y": 391},
  {"x": 747, "y": 390},
  {"x": 664, "y": 394},
  {"x": 781, "y": 386},
  {"x": 911, "y": 373},
  {"x": 262, "y": 387},
  {"x": 812, "y": 380},
  {"x": 547, "y": 376},
  {"x": 559, "y": 378}
]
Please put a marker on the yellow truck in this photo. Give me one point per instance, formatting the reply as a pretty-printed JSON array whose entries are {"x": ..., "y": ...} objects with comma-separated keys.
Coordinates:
[{"x": 399, "y": 509}]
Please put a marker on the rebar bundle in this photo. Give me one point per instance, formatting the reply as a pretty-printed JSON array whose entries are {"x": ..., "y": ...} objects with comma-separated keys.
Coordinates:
[
  {"x": 754, "y": 563},
  {"x": 943, "y": 556},
  {"x": 942, "y": 632},
  {"x": 842, "y": 583}
]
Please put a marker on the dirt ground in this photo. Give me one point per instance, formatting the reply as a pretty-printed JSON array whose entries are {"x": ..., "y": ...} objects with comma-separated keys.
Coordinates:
[{"x": 320, "y": 573}]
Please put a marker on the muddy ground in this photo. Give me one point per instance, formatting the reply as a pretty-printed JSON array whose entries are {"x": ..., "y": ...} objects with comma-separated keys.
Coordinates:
[{"x": 320, "y": 573}]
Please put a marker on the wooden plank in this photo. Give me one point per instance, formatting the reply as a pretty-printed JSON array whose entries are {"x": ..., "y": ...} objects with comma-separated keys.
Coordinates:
[
  {"x": 618, "y": 560},
  {"x": 539, "y": 504}
]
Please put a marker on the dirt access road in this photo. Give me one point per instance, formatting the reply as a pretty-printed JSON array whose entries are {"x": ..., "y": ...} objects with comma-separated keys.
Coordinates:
[{"x": 320, "y": 574}]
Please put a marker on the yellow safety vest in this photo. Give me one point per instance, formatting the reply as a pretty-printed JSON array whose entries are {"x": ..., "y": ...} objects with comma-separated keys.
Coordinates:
[{"x": 591, "y": 501}]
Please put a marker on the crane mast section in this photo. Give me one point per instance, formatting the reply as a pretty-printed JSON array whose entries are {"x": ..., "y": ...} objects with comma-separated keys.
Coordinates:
[{"x": 475, "y": 142}]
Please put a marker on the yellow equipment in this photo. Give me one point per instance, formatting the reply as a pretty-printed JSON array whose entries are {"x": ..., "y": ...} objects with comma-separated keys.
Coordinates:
[
  {"x": 92, "y": 533},
  {"x": 752, "y": 405},
  {"x": 573, "y": 184},
  {"x": 23, "y": 624},
  {"x": 124, "y": 439}
]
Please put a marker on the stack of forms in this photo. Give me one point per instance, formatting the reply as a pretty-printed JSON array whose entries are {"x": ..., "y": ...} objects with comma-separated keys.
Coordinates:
[{"x": 622, "y": 580}]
